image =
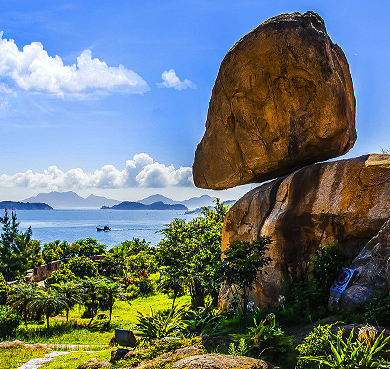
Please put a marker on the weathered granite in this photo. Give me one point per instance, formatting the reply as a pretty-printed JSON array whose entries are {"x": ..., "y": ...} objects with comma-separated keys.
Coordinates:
[
  {"x": 283, "y": 99},
  {"x": 344, "y": 201}
]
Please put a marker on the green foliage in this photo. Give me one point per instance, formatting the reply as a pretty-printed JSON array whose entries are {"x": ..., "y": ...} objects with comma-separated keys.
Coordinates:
[
  {"x": 82, "y": 267},
  {"x": 147, "y": 351},
  {"x": 349, "y": 354},
  {"x": 18, "y": 252},
  {"x": 14, "y": 356},
  {"x": 9, "y": 321},
  {"x": 161, "y": 324},
  {"x": 20, "y": 297},
  {"x": 109, "y": 292},
  {"x": 50, "y": 302},
  {"x": 190, "y": 254},
  {"x": 242, "y": 262},
  {"x": 61, "y": 275},
  {"x": 239, "y": 349},
  {"x": 58, "y": 250},
  {"x": 3, "y": 290},
  {"x": 71, "y": 293},
  {"x": 315, "y": 344},
  {"x": 266, "y": 338},
  {"x": 327, "y": 263},
  {"x": 202, "y": 320},
  {"x": 377, "y": 311}
]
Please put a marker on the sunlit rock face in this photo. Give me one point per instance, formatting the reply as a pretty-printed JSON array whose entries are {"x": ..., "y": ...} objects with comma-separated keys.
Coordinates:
[
  {"x": 283, "y": 99},
  {"x": 345, "y": 202}
]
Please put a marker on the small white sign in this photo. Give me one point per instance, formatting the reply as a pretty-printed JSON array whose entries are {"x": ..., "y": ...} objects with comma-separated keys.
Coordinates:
[{"x": 343, "y": 279}]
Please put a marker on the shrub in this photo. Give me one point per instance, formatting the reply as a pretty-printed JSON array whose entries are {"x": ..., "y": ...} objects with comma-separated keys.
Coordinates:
[
  {"x": 265, "y": 338},
  {"x": 82, "y": 266},
  {"x": 9, "y": 321},
  {"x": 377, "y": 311},
  {"x": 161, "y": 324},
  {"x": 315, "y": 344},
  {"x": 327, "y": 263},
  {"x": 61, "y": 275},
  {"x": 3, "y": 290},
  {"x": 366, "y": 352}
]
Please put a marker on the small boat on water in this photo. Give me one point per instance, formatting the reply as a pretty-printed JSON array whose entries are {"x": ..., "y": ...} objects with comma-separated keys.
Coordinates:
[{"x": 105, "y": 228}]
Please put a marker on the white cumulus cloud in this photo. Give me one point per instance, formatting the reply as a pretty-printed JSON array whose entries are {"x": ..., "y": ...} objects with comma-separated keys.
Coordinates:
[
  {"x": 171, "y": 80},
  {"x": 141, "y": 171},
  {"x": 32, "y": 69}
]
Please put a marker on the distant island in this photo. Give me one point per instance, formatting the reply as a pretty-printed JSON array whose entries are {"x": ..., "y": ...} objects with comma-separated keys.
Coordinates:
[
  {"x": 159, "y": 205},
  {"x": 16, "y": 205}
]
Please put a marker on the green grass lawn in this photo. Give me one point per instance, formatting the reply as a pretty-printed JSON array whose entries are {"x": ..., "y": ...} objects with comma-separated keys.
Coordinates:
[
  {"x": 76, "y": 331},
  {"x": 14, "y": 356}
]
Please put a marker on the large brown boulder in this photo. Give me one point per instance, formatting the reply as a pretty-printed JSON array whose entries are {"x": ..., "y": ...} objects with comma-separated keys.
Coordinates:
[
  {"x": 372, "y": 274},
  {"x": 220, "y": 362},
  {"x": 344, "y": 201},
  {"x": 283, "y": 99}
]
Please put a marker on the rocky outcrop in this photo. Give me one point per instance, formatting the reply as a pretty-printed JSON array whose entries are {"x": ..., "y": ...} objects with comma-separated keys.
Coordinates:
[
  {"x": 372, "y": 273},
  {"x": 345, "y": 201},
  {"x": 283, "y": 99},
  {"x": 220, "y": 362}
]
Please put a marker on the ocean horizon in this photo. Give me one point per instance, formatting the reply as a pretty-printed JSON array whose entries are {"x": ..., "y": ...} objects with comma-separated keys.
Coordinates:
[{"x": 74, "y": 224}]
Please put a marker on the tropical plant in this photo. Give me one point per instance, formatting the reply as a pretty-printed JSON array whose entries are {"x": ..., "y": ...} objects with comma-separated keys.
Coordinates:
[
  {"x": 265, "y": 338},
  {"x": 349, "y": 354},
  {"x": 92, "y": 290},
  {"x": 50, "y": 302},
  {"x": 241, "y": 265},
  {"x": 71, "y": 293},
  {"x": 109, "y": 292},
  {"x": 190, "y": 254},
  {"x": 55, "y": 250},
  {"x": 61, "y": 275},
  {"x": 161, "y": 324},
  {"x": 315, "y": 344},
  {"x": 239, "y": 349},
  {"x": 202, "y": 320},
  {"x": 20, "y": 297}
]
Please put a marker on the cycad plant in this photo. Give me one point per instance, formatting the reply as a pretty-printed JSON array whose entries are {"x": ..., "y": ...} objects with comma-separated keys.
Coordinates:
[
  {"x": 20, "y": 297},
  {"x": 161, "y": 324},
  {"x": 50, "y": 302},
  {"x": 71, "y": 293}
]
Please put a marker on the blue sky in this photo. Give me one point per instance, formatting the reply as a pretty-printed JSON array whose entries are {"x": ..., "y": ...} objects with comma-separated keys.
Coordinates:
[{"x": 131, "y": 129}]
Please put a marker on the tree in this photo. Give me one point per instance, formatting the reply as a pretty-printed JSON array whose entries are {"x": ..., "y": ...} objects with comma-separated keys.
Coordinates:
[
  {"x": 20, "y": 297},
  {"x": 89, "y": 247},
  {"x": 61, "y": 275},
  {"x": 54, "y": 250},
  {"x": 50, "y": 302},
  {"x": 92, "y": 289},
  {"x": 71, "y": 293},
  {"x": 18, "y": 252},
  {"x": 82, "y": 266},
  {"x": 191, "y": 252},
  {"x": 242, "y": 262},
  {"x": 109, "y": 292},
  {"x": 4, "y": 288}
]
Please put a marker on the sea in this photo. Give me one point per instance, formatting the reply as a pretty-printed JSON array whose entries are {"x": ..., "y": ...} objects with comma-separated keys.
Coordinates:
[{"x": 74, "y": 224}]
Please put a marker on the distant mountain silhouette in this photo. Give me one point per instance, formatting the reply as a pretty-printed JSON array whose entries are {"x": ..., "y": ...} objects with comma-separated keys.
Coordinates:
[
  {"x": 192, "y": 203},
  {"x": 70, "y": 200},
  {"x": 159, "y": 205},
  {"x": 16, "y": 205}
]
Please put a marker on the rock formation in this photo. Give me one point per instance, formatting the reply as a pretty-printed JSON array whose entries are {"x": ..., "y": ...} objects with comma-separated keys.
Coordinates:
[
  {"x": 372, "y": 273},
  {"x": 344, "y": 201},
  {"x": 220, "y": 362},
  {"x": 283, "y": 99}
]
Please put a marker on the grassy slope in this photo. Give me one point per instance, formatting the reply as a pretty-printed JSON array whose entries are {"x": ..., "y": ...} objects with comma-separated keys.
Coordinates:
[
  {"x": 124, "y": 315},
  {"x": 14, "y": 356}
]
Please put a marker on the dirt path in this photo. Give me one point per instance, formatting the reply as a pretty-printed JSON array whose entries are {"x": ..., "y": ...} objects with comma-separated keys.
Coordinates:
[{"x": 39, "y": 361}]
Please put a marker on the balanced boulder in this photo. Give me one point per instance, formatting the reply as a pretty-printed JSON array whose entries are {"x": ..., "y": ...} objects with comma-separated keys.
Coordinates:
[
  {"x": 345, "y": 202},
  {"x": 283, "y": 99}
]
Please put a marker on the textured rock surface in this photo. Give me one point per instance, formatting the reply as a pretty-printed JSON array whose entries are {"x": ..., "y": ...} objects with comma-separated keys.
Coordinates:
[
  {"x": 283, "y": 99},
  {"x": 220, "y": 362},
  {"x": 371, "y": 276},
  {"x": 345, "y": 201}
]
